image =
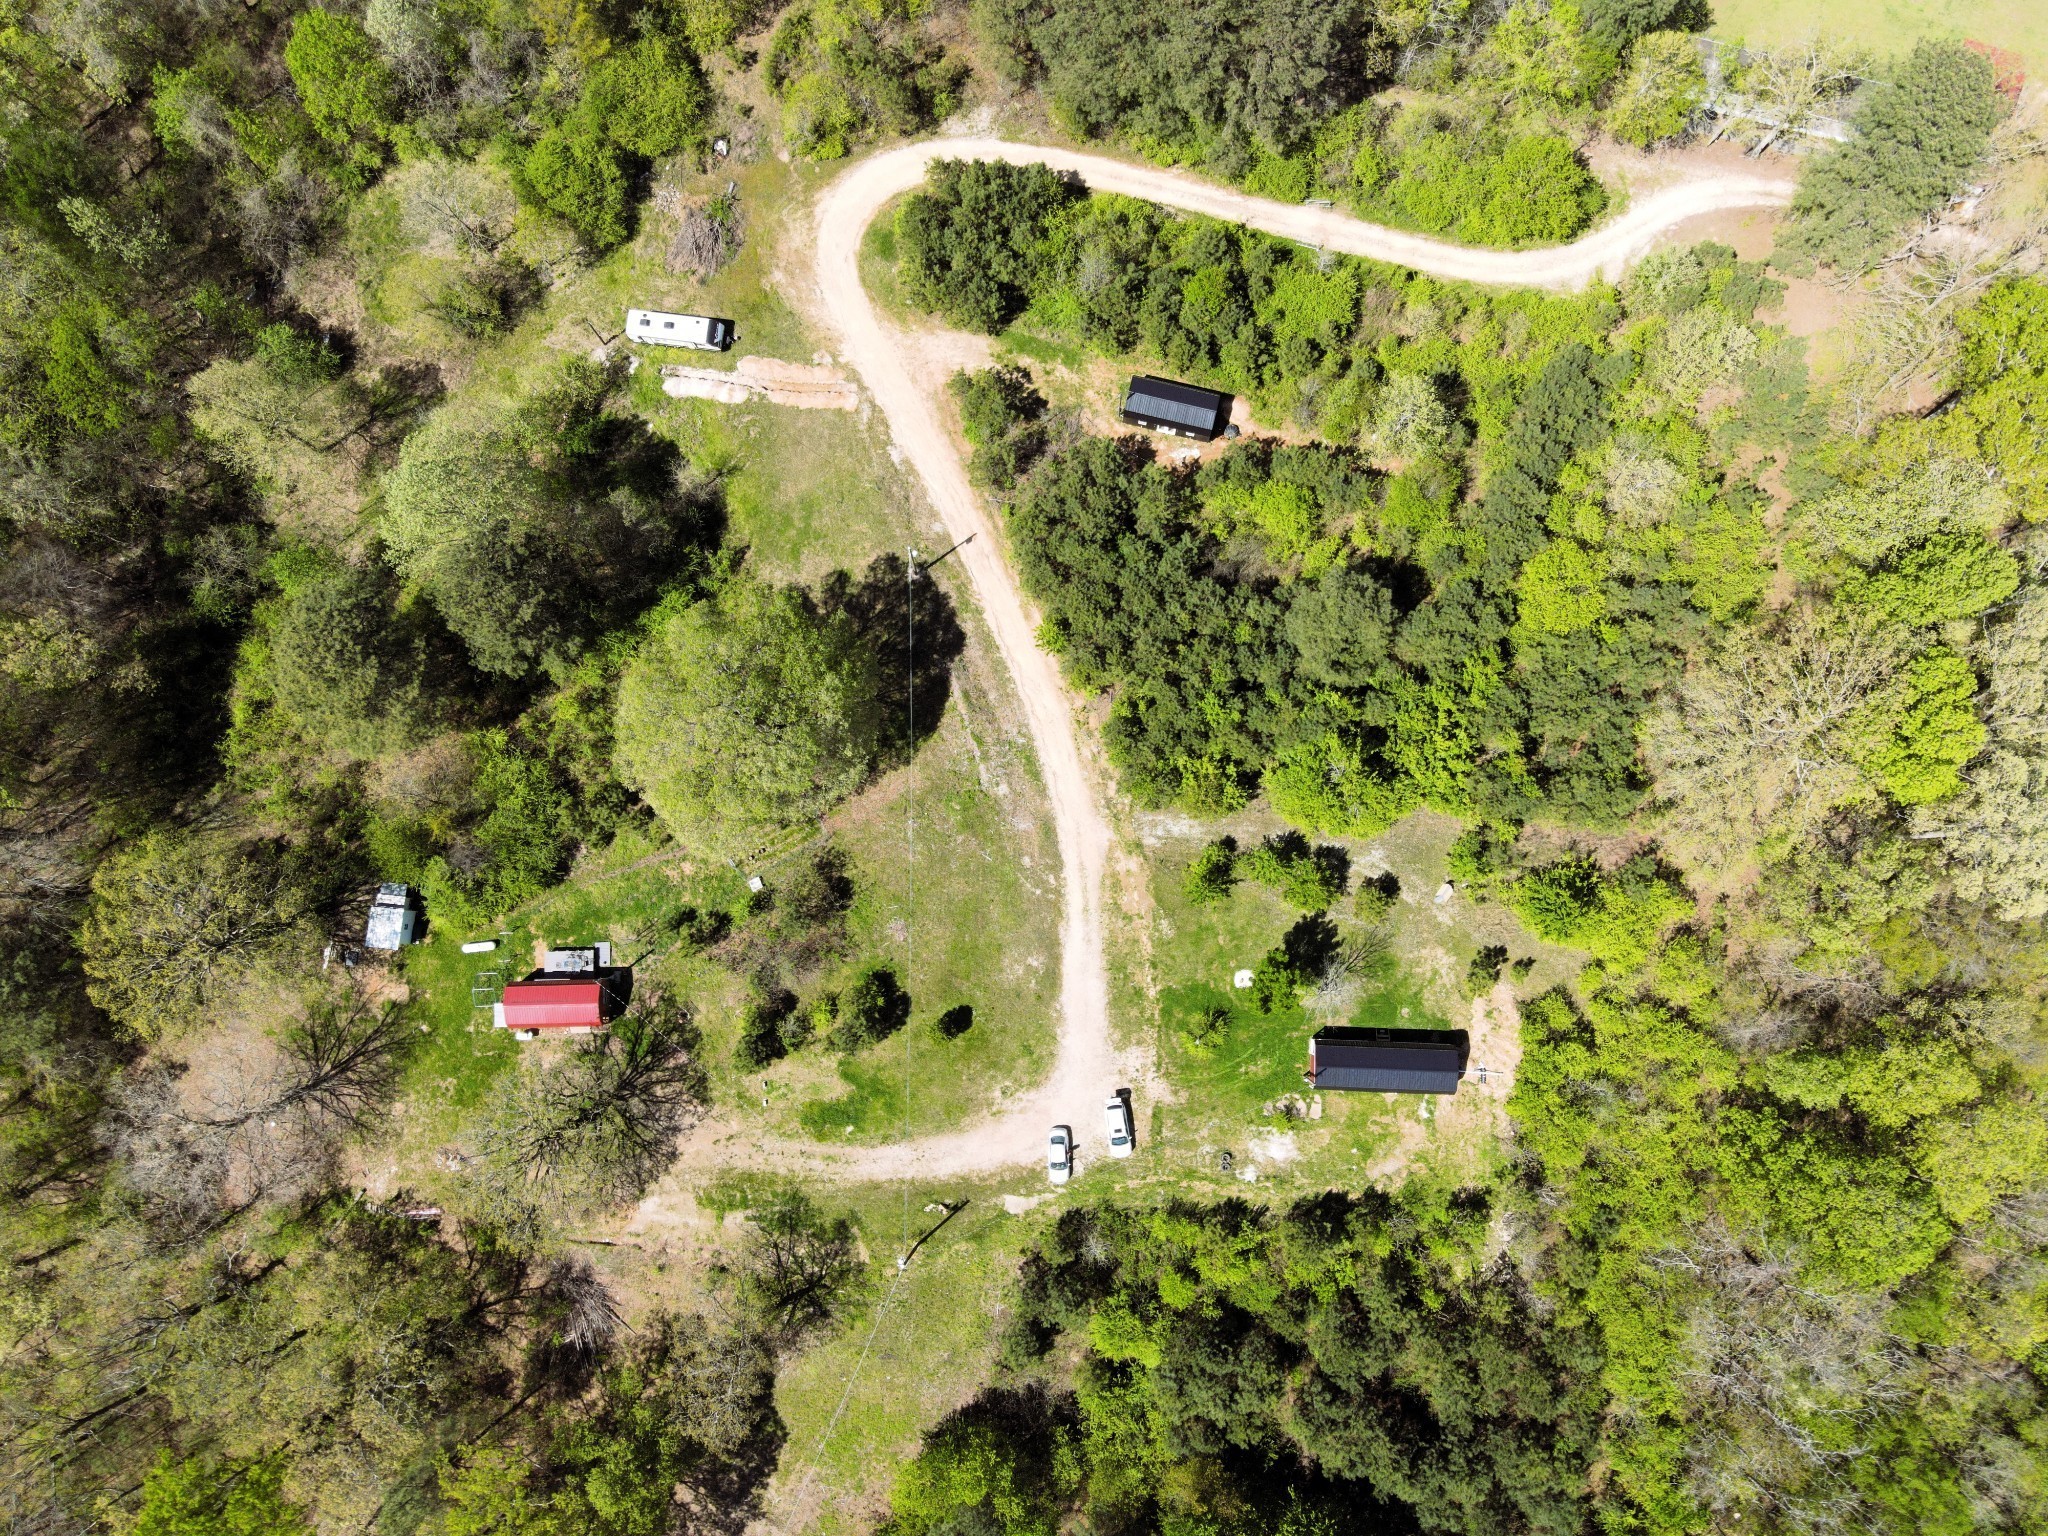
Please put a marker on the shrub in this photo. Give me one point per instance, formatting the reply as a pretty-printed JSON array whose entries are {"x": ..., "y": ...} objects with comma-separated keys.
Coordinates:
[
  {"x": 955, "y": 1021},
  {"x": 872, "y": 1008},
  {"x": 1212, "y": 875},
  {"x": 576, "y": 173},
  {"x": 1616, "y": 918},
  {"x": 1312, "y": 879},
  {"x": 1376, "y": 897}
]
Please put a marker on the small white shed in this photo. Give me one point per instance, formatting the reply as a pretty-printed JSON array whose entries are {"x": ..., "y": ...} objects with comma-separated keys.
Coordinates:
[
  {"x": 700, "y": 333},
  {"x": 393, "y": 922}
]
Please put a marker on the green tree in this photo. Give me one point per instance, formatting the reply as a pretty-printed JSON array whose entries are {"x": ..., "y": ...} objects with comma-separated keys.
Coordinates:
[
  {"x": 1923, "y": 731},
  {"x": 1664, "y": 86},
  {"x": 969, "y": 244},
  {"x": 177, "y": 921},
  {"x": 1562, "y": 589},
  {"x": 1954, "y": 574},
  {"x": 747, "y": 711},
  {"x": 201, "y": 1496},
  {"x": 341, "y": 78},
  {"x": 1916, "y": 142},
  {"x": 1542, "y": 57},
  {"x": 344, "y": 669},
  {"x": 873, "y": 1007},
  {"x": 685, "y": 1405},
  {"x": 575, "y": 172},
  {"x": 2002, "y": 416},
  {"x": 1616, "y": 918}
]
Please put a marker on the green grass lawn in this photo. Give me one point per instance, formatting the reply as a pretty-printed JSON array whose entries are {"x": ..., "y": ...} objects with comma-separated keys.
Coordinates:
[
  {"x": 1225, "y": 1092},
  {"x": 806, "y": 492},
  {"x": 901, "y": 1367},
  {"x": 1890, "y": 26}
]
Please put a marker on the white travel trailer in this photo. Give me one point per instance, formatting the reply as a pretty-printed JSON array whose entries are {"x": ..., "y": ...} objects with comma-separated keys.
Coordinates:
[{"x": 700, "y": 333}]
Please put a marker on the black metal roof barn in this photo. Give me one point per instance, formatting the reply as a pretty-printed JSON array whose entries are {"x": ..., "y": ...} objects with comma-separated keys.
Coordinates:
[
  {"x": 1179, "y": 410},
  {"x": 1386, "y": 1060}
]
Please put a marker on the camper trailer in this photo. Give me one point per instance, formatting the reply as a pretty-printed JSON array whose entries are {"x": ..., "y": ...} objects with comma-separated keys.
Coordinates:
[{"x": 700, "y": 333}]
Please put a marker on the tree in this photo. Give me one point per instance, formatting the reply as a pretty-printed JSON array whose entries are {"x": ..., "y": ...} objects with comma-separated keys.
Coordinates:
[
  {"x": 202, "y": 1496},
  {"x": 969, "y": 243},
  {"x": 1664, "y": 86},
  {"x": 1625, "y": 25},
  {"x": 575, "y": 172},
  {"x": 649, "y": 98},
  {"x": 1616, "y": 918},
  {"x": 2003, "y": 413},
  {"x": 1308, "y": 879},
  {"x": 1543, "y": 58},
  {"x": 1752, "y": 740},
  {"x": 1339, "y": 626},
  {"x": 873, "y": 1007},
  {"x": 178, "y": 921},
  {"x": 1953, "y": 574},
  {"x": 1703, "y": 349},
  {"x": 796, "y": 1265},
  {"x": 593, "y": 1126},
  {"x": 1561, "y": 590},
  {"x": 532, "y": 526},
  {"x": 1922, "y": 132},
  {"x": 1924, "y": 730},
  {"x": 342, "y": 80},
  {"x": 1000, "y": 414},
  {"x": 350, "y": 677},
  {"x": 687, "y": 1406},
  {"x": 747, "y": 711}
]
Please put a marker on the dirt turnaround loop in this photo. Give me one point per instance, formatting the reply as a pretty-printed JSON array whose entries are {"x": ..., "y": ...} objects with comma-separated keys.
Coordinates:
[{"x": 1087, "y": 1067}]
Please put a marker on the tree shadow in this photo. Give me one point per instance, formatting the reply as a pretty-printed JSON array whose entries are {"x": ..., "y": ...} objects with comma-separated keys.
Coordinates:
[{"x": 914, "y": 632}]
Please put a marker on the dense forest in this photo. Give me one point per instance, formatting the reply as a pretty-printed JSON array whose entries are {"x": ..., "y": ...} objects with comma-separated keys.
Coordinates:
[
  {"x": 1734, "y": 680},
  {"x": 1730, "y": 699}
]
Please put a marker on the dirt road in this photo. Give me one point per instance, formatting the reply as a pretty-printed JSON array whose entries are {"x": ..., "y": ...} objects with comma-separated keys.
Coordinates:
[{"x": 1087, "y": 1067}]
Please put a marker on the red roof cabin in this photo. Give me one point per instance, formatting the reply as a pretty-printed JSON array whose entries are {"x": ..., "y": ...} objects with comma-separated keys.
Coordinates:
[
  {"x": 555, "y": 1002},
  {"x": 573, "y": 993}
]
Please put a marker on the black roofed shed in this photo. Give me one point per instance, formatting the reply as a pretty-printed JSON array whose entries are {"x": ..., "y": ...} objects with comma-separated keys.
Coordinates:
[
  {"x": 1386, "y": 1060},
  {"x": 1179, "y": 410}
]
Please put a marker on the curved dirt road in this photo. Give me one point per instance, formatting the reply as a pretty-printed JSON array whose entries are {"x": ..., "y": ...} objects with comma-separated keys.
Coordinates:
[{"x": 1087, "y": 1066}]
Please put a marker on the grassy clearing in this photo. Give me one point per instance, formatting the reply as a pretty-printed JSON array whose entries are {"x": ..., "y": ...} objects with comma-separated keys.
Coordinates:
[
  {"x": 1223, "y": 1091},
  {"x": 975, "y": 925},
  {"x": 928, "y": 1351},
  {"x": 1890, "y": 26},
  {"x": 806, "y": 492},
  {"x": 398, "y": 279},
  {"x": 877, "y": 258}
]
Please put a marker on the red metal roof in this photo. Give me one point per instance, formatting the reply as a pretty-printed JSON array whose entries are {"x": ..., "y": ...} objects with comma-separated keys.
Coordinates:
[{"x": 554, "y": 1003}]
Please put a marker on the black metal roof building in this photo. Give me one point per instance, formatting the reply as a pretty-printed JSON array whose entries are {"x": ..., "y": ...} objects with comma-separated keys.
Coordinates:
[
  {"x": 1386, "y": 1060},
  {"x": 1178, "y": 410}
]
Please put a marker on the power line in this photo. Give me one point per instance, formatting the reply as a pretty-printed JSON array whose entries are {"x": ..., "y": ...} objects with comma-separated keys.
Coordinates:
[{"x": 909, "y": 862}]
